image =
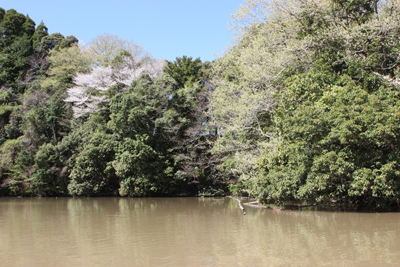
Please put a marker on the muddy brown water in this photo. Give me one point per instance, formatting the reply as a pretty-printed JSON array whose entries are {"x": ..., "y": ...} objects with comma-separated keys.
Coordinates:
[{"x": 189, "y": 232}]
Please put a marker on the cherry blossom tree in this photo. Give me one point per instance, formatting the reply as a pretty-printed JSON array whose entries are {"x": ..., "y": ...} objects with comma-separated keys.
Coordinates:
[{"x": 93, "y": 89}]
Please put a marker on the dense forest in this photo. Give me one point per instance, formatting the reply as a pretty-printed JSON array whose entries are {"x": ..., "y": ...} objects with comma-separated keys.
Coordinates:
[{"x": 304, "y": 108}]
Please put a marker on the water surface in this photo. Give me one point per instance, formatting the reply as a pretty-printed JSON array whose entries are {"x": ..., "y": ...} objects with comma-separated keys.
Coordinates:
[{"x": 189, "y": 232}]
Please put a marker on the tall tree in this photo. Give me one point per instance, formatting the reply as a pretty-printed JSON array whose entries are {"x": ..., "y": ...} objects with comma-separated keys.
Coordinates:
[
  {"x": 94, "y": 89},
  {"x": 13, "y": 26},
  {"x": 189, "y": 127},
  {"x": 104, "y": 48},
  {"x": 185, "y": 71},
  {"x": 40, "y": 32},
  {"x": 14, "y": 63}
]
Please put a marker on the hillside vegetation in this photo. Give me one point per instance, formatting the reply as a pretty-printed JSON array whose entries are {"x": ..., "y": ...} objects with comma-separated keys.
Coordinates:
[{"x": 305, "y": 107}]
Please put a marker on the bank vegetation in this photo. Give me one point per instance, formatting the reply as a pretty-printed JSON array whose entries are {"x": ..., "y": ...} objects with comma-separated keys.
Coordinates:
[{"x": 304, "y": 108}]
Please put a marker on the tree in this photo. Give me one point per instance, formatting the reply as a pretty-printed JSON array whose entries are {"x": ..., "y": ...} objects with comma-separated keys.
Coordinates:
[
  {"x": 14, "y": 25},
  {"x": 96, "y": 88},
  {"x": 16, "y": 33},
  {"x": 65, "y": 64},
  {"x": 50, "y": 177},
  {"x": 341, "y": 148},
  {"x": 56, "y": 41},
  {"x": 326, "y": 113},
  {"x": 2, "y": 13},
  {"x": 133, "y": 148},
  {"x": 185, "y": 71},
  {"x": 14, "y": 63},
  {"x": 40, "y": 32},
  {"x": 92, "y": 173},
  {"x": 51, "y": 41},
  {"x": 290, "y": 55},
  {"x": 104, "y": 48},
  {"x": 141, "y": 156},
  {"x": 29, "y": 26}
]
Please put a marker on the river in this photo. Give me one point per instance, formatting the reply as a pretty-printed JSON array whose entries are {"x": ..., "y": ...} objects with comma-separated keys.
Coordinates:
[{"x": 189, "y": 232}]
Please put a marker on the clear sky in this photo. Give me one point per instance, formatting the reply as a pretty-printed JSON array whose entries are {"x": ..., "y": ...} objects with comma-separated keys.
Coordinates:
[{"x": 165, "y": 28}]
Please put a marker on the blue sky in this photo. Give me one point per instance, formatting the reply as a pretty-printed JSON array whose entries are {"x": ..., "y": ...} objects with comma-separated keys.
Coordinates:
[{"x": 165, "y": 28}]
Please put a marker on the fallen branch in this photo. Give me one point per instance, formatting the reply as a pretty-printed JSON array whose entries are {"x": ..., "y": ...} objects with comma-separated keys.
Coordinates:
[
  {"x": 240, "y": 204},
  {"x": 255, "y": 205}
]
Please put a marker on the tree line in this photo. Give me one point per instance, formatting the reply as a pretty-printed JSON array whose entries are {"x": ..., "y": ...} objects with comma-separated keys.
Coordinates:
[{"x": 303, "y": 108}]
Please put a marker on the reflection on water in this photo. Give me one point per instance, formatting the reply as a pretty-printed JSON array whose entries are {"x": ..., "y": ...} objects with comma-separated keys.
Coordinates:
[{"x": 189, "y": 232}]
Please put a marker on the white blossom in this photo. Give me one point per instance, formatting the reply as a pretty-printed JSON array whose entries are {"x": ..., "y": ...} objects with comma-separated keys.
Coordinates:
[{"x": 90, "y": 89}]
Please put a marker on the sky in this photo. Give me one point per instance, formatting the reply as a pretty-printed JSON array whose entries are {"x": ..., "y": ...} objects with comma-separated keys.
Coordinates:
[{"x": 165, "y": 28}]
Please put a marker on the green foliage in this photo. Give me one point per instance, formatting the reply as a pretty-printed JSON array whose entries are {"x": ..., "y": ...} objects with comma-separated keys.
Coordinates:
[
  {"x": 50, "y": 177},
  {"x": 104, "y": 48},
  {"x": 190, "y": 130},
  {"x": 29, "y": 26},
  {"x": 305, "y": 107},
  {"x": 31, "y": 118},
  {"x": 313, "y": 84},
  {"x": 44, "y": 117},
  {"x": 150, "y": 140},
  {"x": 184, "y": 70},
  {"x": 92, "y": 173},
  {"x": 2, "y": 13},
  {"x": 135, "y": 111},
  {"x": 341, "y": 147},
  {"x": 15, "y": 49},
  {"x": 15, "y": 170},
  {"x": 13, "y": 129},
  {"x": 139, "y": 167},
  {"x": 40, "y": 32},
  {"x": 141, "y": 161},
  {"x": 65, "y": 64},
  {"x": 14, "y": 62},
  {"x": 49, "y": 42},
  {"x": 14, "y": 25}
]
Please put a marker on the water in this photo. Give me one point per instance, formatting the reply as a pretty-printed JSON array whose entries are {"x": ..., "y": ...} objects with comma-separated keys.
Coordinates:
[{"x": 189, "y": 232}]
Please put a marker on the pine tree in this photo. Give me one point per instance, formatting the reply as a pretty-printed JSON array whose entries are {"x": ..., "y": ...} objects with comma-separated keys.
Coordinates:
[{"x": 40, "y": 32}]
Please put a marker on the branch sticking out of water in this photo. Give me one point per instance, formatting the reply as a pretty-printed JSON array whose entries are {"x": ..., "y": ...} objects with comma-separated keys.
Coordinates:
[{"x": 240, "y": 204}]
